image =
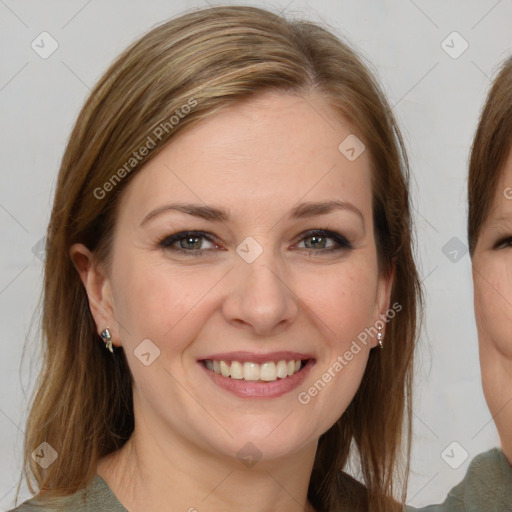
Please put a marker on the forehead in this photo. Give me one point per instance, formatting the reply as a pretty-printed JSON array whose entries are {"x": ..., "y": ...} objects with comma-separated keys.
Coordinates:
[
  {"x": 502, "y": 198},
  {"x": 257, "y": 156}
]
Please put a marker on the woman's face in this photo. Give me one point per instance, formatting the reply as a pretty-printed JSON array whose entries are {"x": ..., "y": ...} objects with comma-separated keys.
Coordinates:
[
  {"x": 492, "y": 277},
  {"x": 249, "y": 285}
]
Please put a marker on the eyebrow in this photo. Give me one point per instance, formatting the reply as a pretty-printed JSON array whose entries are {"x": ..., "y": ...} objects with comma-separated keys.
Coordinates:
[{"x": 211, "y": 213}]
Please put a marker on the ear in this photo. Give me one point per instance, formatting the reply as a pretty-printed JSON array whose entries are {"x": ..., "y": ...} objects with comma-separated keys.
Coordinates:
[
  {"x": 383, "y": 300},
  {"x": 98, "y": 288}
]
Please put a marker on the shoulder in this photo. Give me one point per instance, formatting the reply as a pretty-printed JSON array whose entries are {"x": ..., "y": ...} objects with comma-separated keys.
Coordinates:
[
  {"x": 64, "y": 503},
  {"x": 96, "y": 497},
  {"x": 487, "y": 486}
]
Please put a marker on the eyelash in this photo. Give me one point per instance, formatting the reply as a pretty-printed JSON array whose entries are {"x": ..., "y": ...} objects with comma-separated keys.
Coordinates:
[
  {"x": 168, "y": 241},
  {"x": 503, "y": 243}
]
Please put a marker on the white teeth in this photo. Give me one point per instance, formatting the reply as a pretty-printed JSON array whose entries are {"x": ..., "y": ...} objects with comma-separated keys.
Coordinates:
[
  {"x": 247, "y": 370},
  {"x": 251, "y": 371},
  {"x": 282, "y": 370},
  {"x": 236, "y": 370},
  {"x": 268, "y": 371},
  {"x": 224, "y": 369}
]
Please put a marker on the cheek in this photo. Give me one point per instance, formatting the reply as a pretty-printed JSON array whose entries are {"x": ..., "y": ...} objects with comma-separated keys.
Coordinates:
[
  {"x": 349, "y": 299},
  {"x": 493, "y": 306},
  {"x": 345, "y": 302},
  {"x": 155, "y": 301}
]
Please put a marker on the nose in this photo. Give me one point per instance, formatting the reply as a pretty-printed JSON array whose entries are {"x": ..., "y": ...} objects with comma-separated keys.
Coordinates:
[{"x": 259, "y": 295}]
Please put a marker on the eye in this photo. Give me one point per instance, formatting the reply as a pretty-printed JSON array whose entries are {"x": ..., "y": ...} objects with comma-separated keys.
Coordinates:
[
  {"x": 191, "y": 242},
  {"x": 319, "y": 238},
  {"x": 503, "y": 243}
]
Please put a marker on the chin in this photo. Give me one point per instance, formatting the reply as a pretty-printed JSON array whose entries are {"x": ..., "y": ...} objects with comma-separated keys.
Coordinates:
[{"x": 252, "y": 447}]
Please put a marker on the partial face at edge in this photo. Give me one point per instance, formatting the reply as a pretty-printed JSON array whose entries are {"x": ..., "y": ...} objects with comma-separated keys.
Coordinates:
[
  {"x": 492, "y": 277},
  {"x": 196, "y": 296}
]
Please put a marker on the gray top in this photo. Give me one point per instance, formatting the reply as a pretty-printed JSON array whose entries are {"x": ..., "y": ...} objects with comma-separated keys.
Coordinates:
[
  {"x": 487, "y": 487},
  {"x": 98, "y": 494}
]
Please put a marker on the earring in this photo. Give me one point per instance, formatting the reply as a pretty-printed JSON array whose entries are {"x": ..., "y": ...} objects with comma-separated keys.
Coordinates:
[
  {"x": 107, "y": 338},
  {"x": 379, "y": 337}
]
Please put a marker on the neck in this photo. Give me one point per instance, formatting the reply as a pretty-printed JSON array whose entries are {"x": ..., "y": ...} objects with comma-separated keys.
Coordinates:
[
  {"x": 158, "y": 472},
  {"x": 497, "y": 385}
]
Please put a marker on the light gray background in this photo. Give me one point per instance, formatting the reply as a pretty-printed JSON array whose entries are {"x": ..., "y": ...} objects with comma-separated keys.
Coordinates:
[{"x": 436, "y": 98}]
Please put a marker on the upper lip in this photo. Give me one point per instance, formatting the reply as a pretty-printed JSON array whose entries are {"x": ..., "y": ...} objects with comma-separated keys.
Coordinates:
[{"x": 258, "y": 357}]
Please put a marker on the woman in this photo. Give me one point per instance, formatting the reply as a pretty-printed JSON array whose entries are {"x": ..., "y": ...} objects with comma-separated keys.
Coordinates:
[
  {"x": 487, "y": 485},
  {"x": 242, "y": 371}
]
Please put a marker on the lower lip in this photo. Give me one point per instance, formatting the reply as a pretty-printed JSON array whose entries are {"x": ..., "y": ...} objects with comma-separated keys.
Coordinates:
[{"x": 252, "y": 389}]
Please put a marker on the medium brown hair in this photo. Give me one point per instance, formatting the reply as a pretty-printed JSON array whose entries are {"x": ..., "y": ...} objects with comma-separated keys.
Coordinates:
[
  {"x": 217, "y": 57},
  {"x": 491, "y": 146}
]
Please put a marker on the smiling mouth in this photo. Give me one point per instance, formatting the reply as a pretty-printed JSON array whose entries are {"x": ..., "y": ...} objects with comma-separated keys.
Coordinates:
[{"x": 249, "y": 371}]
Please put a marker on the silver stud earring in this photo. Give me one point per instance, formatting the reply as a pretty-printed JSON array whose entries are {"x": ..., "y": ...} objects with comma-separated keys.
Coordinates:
[
  {"x": 379, "y": 337},
  {"x": 107, "y": 338}
]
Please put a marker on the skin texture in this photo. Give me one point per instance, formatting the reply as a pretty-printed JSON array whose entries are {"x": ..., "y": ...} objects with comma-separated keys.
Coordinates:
[
  {"x": 492, "y": 277},
  {"x": 258, "y": 160}
]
